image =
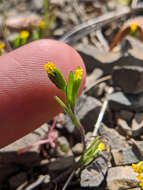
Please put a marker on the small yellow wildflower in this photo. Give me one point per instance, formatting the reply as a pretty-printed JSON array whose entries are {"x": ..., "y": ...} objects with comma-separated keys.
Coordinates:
[
  {"x": 2, "y": 45},
  {"x": 50, "y": 67},
  {"x": 78, "y": 73},
  {"x": 42, "y": 24},
  {"x": 133, "y": 27},
  {"x": 139, "y": 177},
  {"x": 101, "y": 146},
  {"x": 24, "y": 34},
  {"x": 136, "y": 168},
  {"x": 141, "y": 184}
]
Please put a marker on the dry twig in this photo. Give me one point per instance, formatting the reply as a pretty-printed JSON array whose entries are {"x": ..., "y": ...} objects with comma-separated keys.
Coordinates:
[
  {"x": 101, "y": 114},
  {"x": 97, "y": 82}
]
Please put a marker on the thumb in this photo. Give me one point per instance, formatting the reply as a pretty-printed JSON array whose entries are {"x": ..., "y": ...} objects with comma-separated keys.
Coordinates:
[{"x": 26, "y": 93}]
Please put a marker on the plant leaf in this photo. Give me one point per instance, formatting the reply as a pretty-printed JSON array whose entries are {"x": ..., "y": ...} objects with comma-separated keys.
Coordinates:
[
  {"x": 58, "y": 79},
  {"x": 61, "y": 103},
  {"x": 76, "y": 86},
  {"x": 69, "y": 94}
]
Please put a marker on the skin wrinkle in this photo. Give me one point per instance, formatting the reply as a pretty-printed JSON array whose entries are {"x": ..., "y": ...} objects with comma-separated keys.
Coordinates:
[
  {"x": 12, "y": 83},
  {"x": 14, "y": 71}
]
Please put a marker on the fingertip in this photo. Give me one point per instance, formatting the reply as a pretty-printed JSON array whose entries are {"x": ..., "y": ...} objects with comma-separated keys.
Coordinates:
[{"x": 26, "y": 93}]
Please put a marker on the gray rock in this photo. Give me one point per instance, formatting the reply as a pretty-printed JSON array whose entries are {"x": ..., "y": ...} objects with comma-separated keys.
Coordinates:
[
  {"x": 73, "y": 18},
  {"x": 46, "y": 179},
  {"x": 119, "y": 101},
  {"x": 6, "y": 171},
  {"x": 137, "y": 49},
  {"x": 122, "y": 177},
  {"x": 59, "y": 32},
  {"x": 124, "y": 127},
  {"x": 36, "y": 183},
  {"x": 94, "y": 58},
  {"x": 77, "y": 149},
  {"x": 58, "y": 2},
  {"x": 18, "y": 179},
  {"x": 115, "y": 139},
  {"x": 91, "y": 79},
  {"x": 23, "y": 22},
  {"x": 132, "y": 53},
  {"x": 64, "y": 148},
  {"x": 61, "y": 164},
  {"x": 93, "y": 175},
  {"x": 97, "y": 90},
  {"x": 138, "y": 117},
  {"x": 90, "y": 88},
  {"x": 12, "y": 36},
  {"x": 126, "y": 115},
  {"x": 27, "y": 159},
  {"x": 128, "y": 78},
  {"x": 27, "y": 140},
  {"x": 36, "y": 5},
  {"x": 19, "y": 6},
  {"x": 137, "y": 147},
  {"x": 87, "y": 110},
  {"x": 137, "y": 124},
  {"x": 124, "y": 156}
]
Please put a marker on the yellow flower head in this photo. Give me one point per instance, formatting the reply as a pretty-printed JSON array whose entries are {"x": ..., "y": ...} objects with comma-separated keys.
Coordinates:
[
  {"x": 137, "y": 168},
  {"x": 50, "y": 67},
  {"x": 134, "y": 27},
  {"x": 42, "y": 24},
  {"x": 101, "y": 146},
  {"x": 139, "y": 177},
  {"x": 78, "y": 73},
  {"x": 24, "y": 34},
  {"x": 2, "y": 45},
  {"x": 141, "y": 184}
]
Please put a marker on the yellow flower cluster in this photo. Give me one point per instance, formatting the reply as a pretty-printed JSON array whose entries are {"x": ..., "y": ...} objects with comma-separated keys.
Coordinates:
[
  {"x": 101, "y": 146},
  {"x": 138, "y": 169},
  {"x": 50, "y": 67},
  {"x": 78, "y": 73},
  {"x": 24, "y": 34},
  {"x": 134, "y": 27},
  {"x": 2, "y": 45},
  {"x": 42, "y": 24}
]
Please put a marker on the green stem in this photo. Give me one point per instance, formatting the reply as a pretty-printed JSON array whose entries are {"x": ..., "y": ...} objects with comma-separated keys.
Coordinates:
[
  {"x": 47, "y": 16},
  {"x": 78, "y": 125},
  {"x": 74, "y": 119},
  {"x": 23, "y": 41}
]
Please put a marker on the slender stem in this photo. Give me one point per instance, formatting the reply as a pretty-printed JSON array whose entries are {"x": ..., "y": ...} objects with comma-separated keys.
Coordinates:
[
  {"x": 78, "y": 125},
  {"x": 82, "y": 132}
]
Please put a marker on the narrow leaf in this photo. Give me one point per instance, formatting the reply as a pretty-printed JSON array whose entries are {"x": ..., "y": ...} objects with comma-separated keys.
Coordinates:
[
  {"x": 76, "y": 86},
  {"x": 58, "y": 79},
  {"x": 70, "y": 88},
  {"x": 61, "y": 103}
]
